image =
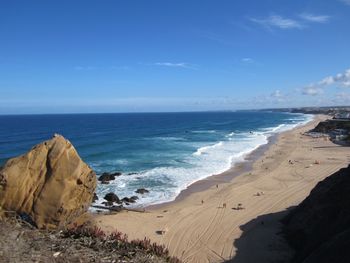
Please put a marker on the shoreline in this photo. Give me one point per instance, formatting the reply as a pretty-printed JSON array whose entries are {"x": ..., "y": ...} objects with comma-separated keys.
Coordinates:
[
  {"x": 237, "y": 169},
  {"x": 244, "y": 213},
  {"x": 225, "y": 176}
]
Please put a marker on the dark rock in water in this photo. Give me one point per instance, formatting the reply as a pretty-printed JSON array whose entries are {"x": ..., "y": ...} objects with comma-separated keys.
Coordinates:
[
  {"x": 95, "y": 198},
  {"x": 105, "y": 177},
  {"x": 108, "y": 203},
  {"x": 105, "y": 182},
  {"x": 319, "y": 228},
  {"x": 131, "y": 173},
  {"x": 112, "y": 197},
  {"x": 125, "y": 199},
  {"x": 129, "y": 199},
  {"x": 141, "y": 191},
  {"x": 134, "y": 197}
]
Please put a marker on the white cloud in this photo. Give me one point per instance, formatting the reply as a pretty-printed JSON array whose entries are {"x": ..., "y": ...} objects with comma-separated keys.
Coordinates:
[
  {"x": 340, "y": 79},
  {"x": 312, "y": 90},
  {"x": 315, "y": 18},
  {"x": 278, "y": 22},
  {"x": 174, "y": 65},
  {"x": 343, "y": 96},
  {"x": 326, "y": 81},
  {"x": 277, "y": 94},
  {"x": 247, "y": 60},
  {"x": 343, "y": 78}
]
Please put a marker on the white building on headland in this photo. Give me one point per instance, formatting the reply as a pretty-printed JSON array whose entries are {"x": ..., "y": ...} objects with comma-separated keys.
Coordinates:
[{"x": 342, "y": 116}]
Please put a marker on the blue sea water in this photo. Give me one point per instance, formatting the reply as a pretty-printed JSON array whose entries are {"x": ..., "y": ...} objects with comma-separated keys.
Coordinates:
[{"x": 163, "y": 152}]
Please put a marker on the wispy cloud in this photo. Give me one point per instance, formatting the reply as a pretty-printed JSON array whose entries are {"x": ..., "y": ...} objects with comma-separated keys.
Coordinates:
[
  {"x": 299, "y": 22},
  {"x": 315, "y": 18},
  {"x": 343, "y": 95},
  {"x": 342, "y": 98},
  {"x": 247, "y": 60},
  {"x": 312, "y": 90},
  {"x": 276, "y": 21},
  {"x": 340, "y": 80},
  {"x": 84, "y": 68},
  {"x": 175, "y": 65},
  {"x": 120, "y": 67},
  {"x": 278, "y": 96}
]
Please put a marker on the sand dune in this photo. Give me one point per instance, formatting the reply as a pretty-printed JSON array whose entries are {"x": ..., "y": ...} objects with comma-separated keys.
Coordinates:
[{"x": 246, "y": 230}]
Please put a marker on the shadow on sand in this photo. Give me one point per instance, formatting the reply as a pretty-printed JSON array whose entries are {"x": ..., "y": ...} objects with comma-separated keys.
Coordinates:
[{"x": 262, "y": 241}]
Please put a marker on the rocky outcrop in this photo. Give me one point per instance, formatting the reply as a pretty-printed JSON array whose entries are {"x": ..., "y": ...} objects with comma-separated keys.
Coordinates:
[
  {"x": 331, "y": 125},
  {"x": 142, "y": 191},
  {"x": 130, "y": 200},
  {"x": 50, "y": 184},
  {"x": 112, "y": 197},
  {"x": 106, "y": 177},
  {"x": 319, "y": 228}
]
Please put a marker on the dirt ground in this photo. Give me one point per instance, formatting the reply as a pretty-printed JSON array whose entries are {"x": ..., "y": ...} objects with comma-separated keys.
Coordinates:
[{"x": 20, "y": 242}]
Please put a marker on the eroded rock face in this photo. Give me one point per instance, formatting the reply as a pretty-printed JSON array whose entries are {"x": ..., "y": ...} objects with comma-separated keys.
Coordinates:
[{"x": 50, "y": 183}]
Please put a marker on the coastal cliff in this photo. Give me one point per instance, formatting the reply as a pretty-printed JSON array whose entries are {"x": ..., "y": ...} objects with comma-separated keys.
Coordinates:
[
  {"x": 319, "y": 228},
  {"x": 50, "y": 184},
  {"x": 331, "y": 125}
]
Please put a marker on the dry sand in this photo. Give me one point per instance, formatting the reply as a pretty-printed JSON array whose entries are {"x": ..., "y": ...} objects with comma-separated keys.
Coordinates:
[{"x": 247, "y": 229}]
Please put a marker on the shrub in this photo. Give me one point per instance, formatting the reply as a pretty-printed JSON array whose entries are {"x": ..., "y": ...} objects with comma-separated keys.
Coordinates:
[{"x": 118, "y": 240}]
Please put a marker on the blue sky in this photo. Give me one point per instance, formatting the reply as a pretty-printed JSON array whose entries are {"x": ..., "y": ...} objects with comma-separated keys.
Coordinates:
[{"x": 127, "y": 56}]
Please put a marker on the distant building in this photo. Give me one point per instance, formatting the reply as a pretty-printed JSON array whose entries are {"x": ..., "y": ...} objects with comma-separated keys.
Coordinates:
[{"x": 342, "y": 116}]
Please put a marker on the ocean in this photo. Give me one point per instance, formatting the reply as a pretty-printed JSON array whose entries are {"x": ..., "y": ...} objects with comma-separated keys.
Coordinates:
[{"x": 162, "y": 152}]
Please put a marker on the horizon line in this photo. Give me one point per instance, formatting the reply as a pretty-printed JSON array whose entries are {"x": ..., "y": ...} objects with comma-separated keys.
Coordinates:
[{"x": 160, "y": 112}]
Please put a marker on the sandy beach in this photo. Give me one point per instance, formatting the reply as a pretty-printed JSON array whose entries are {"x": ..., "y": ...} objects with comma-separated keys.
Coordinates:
[{"x": 236, "y": 218}]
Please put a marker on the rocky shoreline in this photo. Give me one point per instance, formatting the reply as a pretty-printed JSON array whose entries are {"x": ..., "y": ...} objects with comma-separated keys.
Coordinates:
[
  {"x": 61, "y": 187},
  {"x": 112, "y": 201},
  {"x": 44, "y": 197}
]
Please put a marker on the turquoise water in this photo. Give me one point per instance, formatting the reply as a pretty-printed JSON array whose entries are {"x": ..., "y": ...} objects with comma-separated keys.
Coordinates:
[{"x": 163, "y": 152}]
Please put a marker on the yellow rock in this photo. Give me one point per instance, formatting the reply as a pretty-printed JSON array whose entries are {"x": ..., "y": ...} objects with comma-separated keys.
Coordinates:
[{"x": 50, "y": 183}]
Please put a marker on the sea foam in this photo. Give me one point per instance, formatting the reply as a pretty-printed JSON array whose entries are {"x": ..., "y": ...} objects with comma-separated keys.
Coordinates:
[{"x": 166, "y": 182}]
